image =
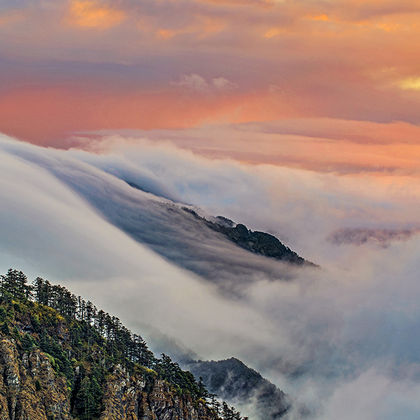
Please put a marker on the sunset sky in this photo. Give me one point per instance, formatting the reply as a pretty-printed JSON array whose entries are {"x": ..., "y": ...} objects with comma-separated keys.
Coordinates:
[
  {"x": 300, "y": 118},
  {"x": 327, "y": 85}
]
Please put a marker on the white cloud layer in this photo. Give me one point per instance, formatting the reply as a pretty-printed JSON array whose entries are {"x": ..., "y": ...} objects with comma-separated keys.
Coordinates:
[{"x": 340, "y": 340}]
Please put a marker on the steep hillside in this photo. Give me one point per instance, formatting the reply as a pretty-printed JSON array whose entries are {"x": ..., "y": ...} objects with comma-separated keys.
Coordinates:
[
  {"x": 234, "y": 381},
  {"x": 61, "y": 358}
]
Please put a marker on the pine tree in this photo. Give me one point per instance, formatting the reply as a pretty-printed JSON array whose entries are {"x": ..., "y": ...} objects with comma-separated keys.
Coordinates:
[{"x": 14, "y": 284}]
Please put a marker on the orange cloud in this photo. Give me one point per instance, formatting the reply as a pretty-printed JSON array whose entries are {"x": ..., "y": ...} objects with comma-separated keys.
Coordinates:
[
  {"x": 273, "y": 32},
  {"x": 389, "y": 27},
  {"x": 166, "y": 33},
  {"x": 202, "y": 26},
  {"x": 322, "y": 18},
  {"x": 411, "y": 83},
  {"x": 91, "y": 14}
]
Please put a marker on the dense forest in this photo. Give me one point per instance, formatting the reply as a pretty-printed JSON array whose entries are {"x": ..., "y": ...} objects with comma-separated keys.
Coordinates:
[{"x": 96, "y": 342}]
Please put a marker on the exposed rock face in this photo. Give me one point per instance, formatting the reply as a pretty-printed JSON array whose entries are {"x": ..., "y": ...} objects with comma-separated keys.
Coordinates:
[
  {"x": 30, "y": 389},
  {"x": 133, "y": 398}
]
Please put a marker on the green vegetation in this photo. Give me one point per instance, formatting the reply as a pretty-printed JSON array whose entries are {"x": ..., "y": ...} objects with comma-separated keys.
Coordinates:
[
  {"x": 83, "y": 344},
  {"x": 257, "y": 242}
]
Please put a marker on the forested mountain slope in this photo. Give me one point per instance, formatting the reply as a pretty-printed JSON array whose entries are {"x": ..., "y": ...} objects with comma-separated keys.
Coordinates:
[{"x": 61, "y": 358}]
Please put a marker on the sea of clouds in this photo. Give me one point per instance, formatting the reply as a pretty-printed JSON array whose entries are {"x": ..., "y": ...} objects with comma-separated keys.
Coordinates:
[{"x": 341, "y": 340}]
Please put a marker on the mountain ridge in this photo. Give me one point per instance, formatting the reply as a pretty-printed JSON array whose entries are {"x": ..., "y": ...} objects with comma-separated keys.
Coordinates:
[
  {"x": 257, "y": 242},
  {"x": 233, "y": 380}
]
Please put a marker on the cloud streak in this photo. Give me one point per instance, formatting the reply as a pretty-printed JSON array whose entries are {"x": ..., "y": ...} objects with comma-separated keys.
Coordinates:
[{"x": 322, "y": 145}]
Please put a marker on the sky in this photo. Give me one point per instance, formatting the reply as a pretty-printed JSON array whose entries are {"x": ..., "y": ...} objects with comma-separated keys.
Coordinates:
[
  {"x": 338, "y": 79},
  {"x": 296, "y": 117}
]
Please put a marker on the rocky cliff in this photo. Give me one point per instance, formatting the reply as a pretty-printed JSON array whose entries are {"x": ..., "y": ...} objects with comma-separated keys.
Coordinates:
[
  {"x": 31, "y": 389},
  {"x": 135, "y": 398}
]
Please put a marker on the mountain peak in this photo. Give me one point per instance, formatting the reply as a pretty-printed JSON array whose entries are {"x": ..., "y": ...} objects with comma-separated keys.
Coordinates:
[{"x": 257, "y": 242}]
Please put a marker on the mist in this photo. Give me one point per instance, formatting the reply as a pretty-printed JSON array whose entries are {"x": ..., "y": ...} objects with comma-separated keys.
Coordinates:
[{"x": 340, "y": 340}]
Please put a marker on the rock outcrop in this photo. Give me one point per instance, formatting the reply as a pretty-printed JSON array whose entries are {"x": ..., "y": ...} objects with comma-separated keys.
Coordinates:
[
  {"x": 131, "y": 397},
  {"x": 30, "y": 389}
]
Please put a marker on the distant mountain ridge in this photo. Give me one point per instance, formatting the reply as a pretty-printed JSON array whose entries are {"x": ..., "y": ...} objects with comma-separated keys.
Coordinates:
[
  {"x": 232, "y": 380},
  {"x": 257, "y": 242},
  {"x": 260, "y": 243}
]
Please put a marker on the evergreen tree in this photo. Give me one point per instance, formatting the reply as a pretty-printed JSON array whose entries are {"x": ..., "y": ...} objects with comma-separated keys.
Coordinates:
[{"x": 14, "y": 284}]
